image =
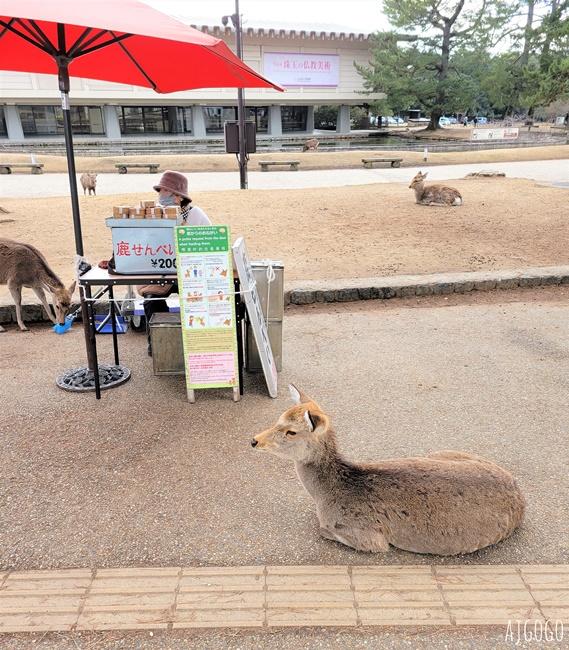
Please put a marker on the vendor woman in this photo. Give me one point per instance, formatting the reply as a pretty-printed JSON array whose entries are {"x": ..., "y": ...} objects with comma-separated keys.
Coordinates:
[{"x": 172, "y": 191}]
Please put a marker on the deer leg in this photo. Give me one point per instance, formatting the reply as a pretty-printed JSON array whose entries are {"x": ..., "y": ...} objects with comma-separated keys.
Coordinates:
[
  {"x": 40, "y": 293},
  {"x": 16, "y": 293},
  {"x": 371, "y": 541}
]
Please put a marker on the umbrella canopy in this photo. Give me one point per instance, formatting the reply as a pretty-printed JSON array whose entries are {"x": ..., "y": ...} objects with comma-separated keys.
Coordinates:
[{"x": 123, "y": 41}]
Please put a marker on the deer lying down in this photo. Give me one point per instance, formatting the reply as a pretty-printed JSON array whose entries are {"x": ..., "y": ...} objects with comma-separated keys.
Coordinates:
[
  {"x": 445, "y": 503},
  {"x": 22, "y": 265},
  {"x": 434, "y": 194}
]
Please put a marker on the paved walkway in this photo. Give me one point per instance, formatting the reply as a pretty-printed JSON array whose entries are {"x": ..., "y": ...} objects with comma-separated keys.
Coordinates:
[
  {"x": 24, "y": 184},
  {"x": 280, "y": 596}
]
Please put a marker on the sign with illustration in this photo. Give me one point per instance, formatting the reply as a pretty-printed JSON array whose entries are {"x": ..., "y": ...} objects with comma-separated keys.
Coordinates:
[
  {"x": 207, "y": 307},
  {"x": 255, "y": 311},
  {"x": 494, "y": 134}
]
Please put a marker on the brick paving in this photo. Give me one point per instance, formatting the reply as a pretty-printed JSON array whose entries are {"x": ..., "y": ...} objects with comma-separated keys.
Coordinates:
[{"x": 282, "y": 596}]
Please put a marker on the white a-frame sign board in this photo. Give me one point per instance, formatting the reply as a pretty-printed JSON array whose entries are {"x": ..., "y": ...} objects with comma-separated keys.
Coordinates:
[{"x": 253, "y": 304}]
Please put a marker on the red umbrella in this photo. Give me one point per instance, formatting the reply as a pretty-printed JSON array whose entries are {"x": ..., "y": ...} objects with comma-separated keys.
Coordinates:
[{"x": 122, "y": 41}]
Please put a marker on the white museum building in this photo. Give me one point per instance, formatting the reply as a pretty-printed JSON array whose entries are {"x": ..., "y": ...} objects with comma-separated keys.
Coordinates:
[{"x": 316, "y": 66}]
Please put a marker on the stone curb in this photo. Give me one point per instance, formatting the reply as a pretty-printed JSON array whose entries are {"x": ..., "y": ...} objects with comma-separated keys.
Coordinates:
[
  {"x": 306, "y": 292},
  {"x": 166, "y": 598},
  {"x": 403, "y": 286}
]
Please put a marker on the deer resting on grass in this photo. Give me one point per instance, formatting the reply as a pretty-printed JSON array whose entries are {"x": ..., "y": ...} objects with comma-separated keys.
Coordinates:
[
  {"x": 22, "y": 265},
  {"x": 434, "y": 194},
  {"x": 446, "y": 503}
]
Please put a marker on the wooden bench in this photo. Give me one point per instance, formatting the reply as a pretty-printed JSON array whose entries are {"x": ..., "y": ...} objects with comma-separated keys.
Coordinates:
[
  {"x": 6, "y": 168},
  {"x": 123, "y": 167},
  {"x": 368, "y": 162},
  {"x": 293, "y": 164}
]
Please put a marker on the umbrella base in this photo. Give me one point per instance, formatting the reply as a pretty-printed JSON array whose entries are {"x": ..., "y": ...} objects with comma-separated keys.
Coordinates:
[{"x": 83, "y": 379}]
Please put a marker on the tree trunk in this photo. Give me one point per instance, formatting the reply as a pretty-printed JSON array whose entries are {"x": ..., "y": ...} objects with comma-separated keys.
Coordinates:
[{"x": 434, "y": 123}]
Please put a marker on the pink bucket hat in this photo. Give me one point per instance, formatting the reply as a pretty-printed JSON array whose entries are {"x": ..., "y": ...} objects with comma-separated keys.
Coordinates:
[{"x": 174, "y": 182}]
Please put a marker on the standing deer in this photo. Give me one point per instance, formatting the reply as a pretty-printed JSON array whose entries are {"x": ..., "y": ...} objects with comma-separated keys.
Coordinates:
[
  {"x": 434, "y": 194},
  {"x": 446, "y": 503},
  {"x": 89, "y": 183},
  {"x": 22, "y": 265},
  {"x": 310, "y": 144}
]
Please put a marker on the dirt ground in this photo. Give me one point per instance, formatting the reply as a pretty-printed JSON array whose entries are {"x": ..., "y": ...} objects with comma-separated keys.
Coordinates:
[{"x": 333, "y": 233}]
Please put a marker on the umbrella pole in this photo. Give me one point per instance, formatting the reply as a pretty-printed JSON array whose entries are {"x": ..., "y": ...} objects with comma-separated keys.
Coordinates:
[
  {"x": 82, "y": 379},
  {"x": 64, "y": 89},
  {"x": 64, "y": 83}
]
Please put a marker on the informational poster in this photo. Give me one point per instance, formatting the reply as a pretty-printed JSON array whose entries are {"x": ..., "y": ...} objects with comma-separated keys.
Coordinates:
[
  {"x": 207, "y": 306},
  {"x": 494, "y": 134},
  {"x": 299, "y": 69},
  {"x": 255, "y": 311}
]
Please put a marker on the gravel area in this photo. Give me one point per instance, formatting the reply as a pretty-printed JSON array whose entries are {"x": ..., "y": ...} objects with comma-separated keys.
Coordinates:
[
  {"x": 425, "y": 638},
  {"x": 144, "y": 478}
]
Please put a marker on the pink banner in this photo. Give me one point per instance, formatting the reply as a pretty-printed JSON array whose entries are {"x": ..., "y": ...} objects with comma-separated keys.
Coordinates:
[{"x": 302, "y": 69}]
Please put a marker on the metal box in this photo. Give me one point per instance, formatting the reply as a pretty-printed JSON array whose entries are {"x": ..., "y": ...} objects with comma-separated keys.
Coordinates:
[
  {"x": 167, "y": 343},
  {"x": 143, "y": 245},
  {"x": 274, "y": 294},
  {"x": 275, "y": 329}
]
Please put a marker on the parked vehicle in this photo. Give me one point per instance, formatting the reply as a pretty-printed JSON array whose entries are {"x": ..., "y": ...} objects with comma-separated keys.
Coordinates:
[
  {"x": 386, "y": 121},
  {"x": 482, "y": 120},
  {"x": 444, "y": 121}
]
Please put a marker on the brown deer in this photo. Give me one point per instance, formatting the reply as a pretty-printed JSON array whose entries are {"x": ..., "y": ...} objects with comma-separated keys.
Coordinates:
[
  {"x": 89, "y": 183},
  {"x": 446, "y": 503},
  {"x": 310, "y": 144},
  {"x": 22, "y": 265},
  {"x": 434, "y": 194}
]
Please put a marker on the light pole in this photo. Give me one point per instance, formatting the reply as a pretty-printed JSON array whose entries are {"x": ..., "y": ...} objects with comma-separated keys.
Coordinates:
[{"x": 242, "y": 156}]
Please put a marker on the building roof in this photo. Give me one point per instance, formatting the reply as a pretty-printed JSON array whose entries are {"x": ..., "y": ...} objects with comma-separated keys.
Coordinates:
[{"x": 259, "y": 28}]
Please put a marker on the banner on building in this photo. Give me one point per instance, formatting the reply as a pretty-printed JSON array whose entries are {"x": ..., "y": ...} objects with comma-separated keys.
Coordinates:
[
  {"x": 295, "y": 69},
  {"x": 207, "y": 306}
]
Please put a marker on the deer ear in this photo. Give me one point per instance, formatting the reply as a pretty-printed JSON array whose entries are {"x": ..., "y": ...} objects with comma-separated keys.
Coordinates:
[
  {"x": 298, "y": 396},
  {"x": 310, "y": 421},
  {"x": 294, "y": 393},
  {"x": 72, "y": 287},
  {"x": 425, "y": 174}
]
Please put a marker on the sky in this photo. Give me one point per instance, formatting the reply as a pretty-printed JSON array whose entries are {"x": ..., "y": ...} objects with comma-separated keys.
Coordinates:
[{"x": 352, "y": 15}]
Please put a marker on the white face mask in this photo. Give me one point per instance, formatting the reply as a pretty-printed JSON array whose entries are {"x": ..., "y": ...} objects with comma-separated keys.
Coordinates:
[{"x": 166, "y": 200}]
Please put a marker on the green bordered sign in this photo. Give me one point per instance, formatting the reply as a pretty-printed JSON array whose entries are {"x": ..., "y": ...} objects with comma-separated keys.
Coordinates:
[{"x": 207, "y": 307}]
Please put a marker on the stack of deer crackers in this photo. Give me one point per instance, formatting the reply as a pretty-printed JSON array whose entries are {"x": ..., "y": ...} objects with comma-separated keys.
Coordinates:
[{"x": 146, "y": 210}]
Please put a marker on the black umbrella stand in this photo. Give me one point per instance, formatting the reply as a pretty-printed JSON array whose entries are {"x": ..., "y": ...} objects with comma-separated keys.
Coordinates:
[{"x": 84, "y": 378}]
